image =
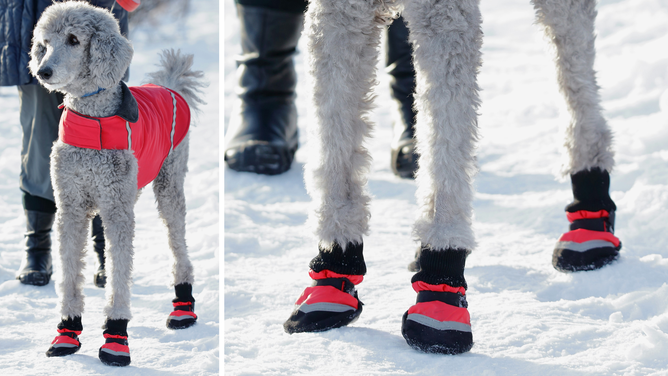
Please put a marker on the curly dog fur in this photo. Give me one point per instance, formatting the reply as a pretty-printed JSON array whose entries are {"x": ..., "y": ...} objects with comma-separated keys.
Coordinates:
[
  {"x": 343, "y": 37},
  {"x": 81, "y": 50}
]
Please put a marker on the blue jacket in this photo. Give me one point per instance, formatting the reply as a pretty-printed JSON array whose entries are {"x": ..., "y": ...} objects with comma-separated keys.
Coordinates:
[{"x": 17, "y": 20}]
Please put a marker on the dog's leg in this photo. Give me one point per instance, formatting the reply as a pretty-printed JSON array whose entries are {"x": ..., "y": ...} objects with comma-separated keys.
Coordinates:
[
  {"x": 168, "y": 189},
  {"x": 72, "y": 219},
  {"x": 343, "y": 39},
  {"x": 570, "y": 26},
  {"x": 447, "y": 39},
  {"x": 590, "y": 244},
  {"x": 116, "y": 194}
]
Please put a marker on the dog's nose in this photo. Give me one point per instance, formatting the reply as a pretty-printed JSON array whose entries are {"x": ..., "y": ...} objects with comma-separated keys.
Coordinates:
[{"x": 45, "y": 73}]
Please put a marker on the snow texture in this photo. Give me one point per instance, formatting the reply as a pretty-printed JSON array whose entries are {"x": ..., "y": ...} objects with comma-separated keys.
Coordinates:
[
  {"x": 30, "y": 314},
  {"x": 527, "y": 318}
]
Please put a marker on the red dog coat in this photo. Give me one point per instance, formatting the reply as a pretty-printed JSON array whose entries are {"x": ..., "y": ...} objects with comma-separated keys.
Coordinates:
[{"x": 152, "y": 121}]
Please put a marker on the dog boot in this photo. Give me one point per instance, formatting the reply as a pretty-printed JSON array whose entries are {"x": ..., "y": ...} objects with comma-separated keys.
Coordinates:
[
  {"x": 67, "y": 341},
  {"x": 331, "y": 301},
  {"x": 590, "y": 244},
  {"x": 115, "y": 351},
  {"x": 399, "y": 61},
  {"x": 262, "y": 136},
  {"x": 439, "y": 322},
  {"x": 184, "y": 308},
  {"x": 36, "y": 267},
  {"x": 97, "y": 232}
]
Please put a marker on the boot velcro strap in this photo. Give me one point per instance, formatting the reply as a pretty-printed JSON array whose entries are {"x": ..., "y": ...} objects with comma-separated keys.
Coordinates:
[
  {"x": 342, "y": 284},
  {"x": 451, "y": 298},
  {"x": 113, "y": 338},
  {"x": 184, "y": 306},
  {"x": 596, "y": 224}
]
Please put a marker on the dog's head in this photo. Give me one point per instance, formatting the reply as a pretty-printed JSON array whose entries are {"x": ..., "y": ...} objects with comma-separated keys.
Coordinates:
[{"x": 76, "y": 47}]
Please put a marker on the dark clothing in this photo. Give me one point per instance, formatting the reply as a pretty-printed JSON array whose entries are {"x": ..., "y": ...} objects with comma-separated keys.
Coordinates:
[
  {"x": 291, "y": 6},
  {"x": 18, "y": 19},
  {"x": 38, "y": 107}
]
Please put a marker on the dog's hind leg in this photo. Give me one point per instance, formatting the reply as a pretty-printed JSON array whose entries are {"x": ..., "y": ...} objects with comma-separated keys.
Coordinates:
[
  {"x": 170, "y": 196},
  {"x": 590, "y": 244},
  {"x": 447, "y": 39}
]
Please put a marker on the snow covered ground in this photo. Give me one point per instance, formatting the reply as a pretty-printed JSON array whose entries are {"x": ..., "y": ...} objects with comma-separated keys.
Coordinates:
[
  {"x": 29, "y": 314},
  {"x": 527, "y": 318}
]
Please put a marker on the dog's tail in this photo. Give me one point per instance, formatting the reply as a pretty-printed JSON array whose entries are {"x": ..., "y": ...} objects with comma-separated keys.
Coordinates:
[{"x": 176, "y": 74}]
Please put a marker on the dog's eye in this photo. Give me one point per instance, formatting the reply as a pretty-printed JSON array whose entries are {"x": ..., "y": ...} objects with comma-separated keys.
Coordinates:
[{"x": 72, "y": 40}]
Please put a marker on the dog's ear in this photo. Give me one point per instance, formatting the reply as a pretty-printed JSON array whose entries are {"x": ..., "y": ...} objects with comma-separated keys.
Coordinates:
[{"x": 110, "y": 56}]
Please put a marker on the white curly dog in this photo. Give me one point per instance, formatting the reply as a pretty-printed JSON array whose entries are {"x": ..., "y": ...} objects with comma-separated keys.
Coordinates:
[{"x": 98, "y": 164}]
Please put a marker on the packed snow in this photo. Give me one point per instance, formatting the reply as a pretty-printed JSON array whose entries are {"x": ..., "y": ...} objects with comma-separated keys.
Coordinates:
[
  {"x": 29, "y": 314},
  {"x": 527, "y": 318}
]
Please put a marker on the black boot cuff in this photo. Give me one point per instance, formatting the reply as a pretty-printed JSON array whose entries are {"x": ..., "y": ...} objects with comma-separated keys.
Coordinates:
[
  {"x": 442, "y": 267},
  {"x": 116, "y": 327},
  {"x": 184, "y": 293},
  {"x": 71, "y": 324},
  {"x": 590, "y": 191},
  {"x": 349, "y": 262}
]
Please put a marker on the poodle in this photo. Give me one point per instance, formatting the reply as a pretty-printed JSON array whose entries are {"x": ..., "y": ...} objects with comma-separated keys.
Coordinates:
[
  {"x": 343, "y": 38},
  {"x": 102, "y": 159}
]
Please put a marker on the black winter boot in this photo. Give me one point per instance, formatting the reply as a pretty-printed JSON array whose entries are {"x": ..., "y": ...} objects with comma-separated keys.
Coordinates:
[
  {"x": 404, "y": 157},
  {"x": 262, "y": 136},
  {"x": 331, "y": 301},
  {"x": 590, "y": 244},
  {"x": 97, "y": 232},
  {"x": 36, "y": 268},
  {"x": 439, "y": 322},
  {"x": 115, "y": 351}
]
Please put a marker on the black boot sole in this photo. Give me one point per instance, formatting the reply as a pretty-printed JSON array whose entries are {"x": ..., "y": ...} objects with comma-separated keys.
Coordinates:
[
  {"x": 565, "y": 260},
  {"x": 35, "y": 278},
  {"x": 261, "y": 158},
  {"x": 113, "y": 360},
  {"x": 429, "y": 340},
  {"x": 300, "y": 322}
]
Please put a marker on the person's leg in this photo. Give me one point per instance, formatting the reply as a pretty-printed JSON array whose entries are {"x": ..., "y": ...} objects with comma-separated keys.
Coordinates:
[
  {"x": 399, "y": 62},
  {"x": 343, "y": 39},
  {"x": 448, "y": 38},
  {"x": 590, "y": 243},
  {"x": 262, "y": 136},
  {"x": 39, "y": 122}
]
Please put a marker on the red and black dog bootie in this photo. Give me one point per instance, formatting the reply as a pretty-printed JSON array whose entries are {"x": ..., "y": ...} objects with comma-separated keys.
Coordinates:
[
  {"x": 590, "y": 244},
  {"x": 183, "y": 315},
  {"x": 332, "y": 301},
  {"x": 115, "y": 351},
  {"x": 439, "y": 322},
  {"x": 67, "y": 341}
]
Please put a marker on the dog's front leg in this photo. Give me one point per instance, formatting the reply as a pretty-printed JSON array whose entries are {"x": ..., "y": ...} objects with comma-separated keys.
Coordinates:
[
  {"x": 343, "y": 39},
  {"x": 447, "y": 39},
  {"x": 72, "y": 220},
  {"x": 116, "y": 194}
]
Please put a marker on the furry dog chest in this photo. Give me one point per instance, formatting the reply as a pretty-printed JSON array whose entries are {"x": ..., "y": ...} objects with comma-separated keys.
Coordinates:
[{"x": 151, "y": 121}]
